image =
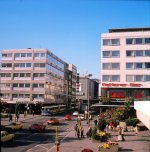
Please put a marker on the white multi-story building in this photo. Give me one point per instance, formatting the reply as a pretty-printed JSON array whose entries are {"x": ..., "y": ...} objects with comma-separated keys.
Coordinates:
[
  {"x": 125, "y": 63},
  {"x": 30, "y": 76}
]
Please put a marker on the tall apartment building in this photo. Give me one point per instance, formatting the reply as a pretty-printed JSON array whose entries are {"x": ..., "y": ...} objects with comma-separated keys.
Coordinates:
[
  {"x": 32, "y": 76},
  {"x": 125, "y": 63}
]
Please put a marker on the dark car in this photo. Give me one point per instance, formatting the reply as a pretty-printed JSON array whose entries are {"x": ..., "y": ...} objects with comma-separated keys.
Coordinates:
[{"x": 37, "y": 127}]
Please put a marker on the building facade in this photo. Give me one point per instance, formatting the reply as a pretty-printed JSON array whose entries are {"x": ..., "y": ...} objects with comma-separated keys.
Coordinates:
[
  {"x": 87, "y": 91},
  {"x": 32, "y": 76},
  {"x": 125, "y": 63}
]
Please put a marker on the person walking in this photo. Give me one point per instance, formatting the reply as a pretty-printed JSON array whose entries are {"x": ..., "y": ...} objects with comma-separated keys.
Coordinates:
[
  {"x": 33, "y": 113},
  {"x": 95, "y": 122},
  {"x": 82, "y": 132},
  {"x": 121, "y": 134},
  {"x": 75, "y": 129},
  {"x": 10, "y": 117}
]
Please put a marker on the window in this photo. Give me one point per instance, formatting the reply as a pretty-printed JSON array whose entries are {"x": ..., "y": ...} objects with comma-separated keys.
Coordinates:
[
  {"x": 36, "y": 54},
  {"x": 107, "y": 42},
  {"x": 138, "y": 65},
  {"x": 115, "y": 65},
  {"x": 28, "y": 64},
  {"x": 27, "y": 85},
  {"x": 138, "y": 77},
  {"x": 36, "y": 64},
  {"x": 42, "y": 54},
  {"x": 35, "y": 75},
  {"x": 22, "y": 64},
  {"x": 138, "y": 41},
  {"x": 115, "y": 41},
  {"x": 147, "y": 65},
  {"x": 41, "y": 74},
  {"x": 7, "y": 55},
  {"x": 23, "y": 54},
  {"x": 129, "y": 41},
  {"x": 16, "y": 74},
  {"x": 15, "y": 85},
  {"x": 115, "y": 54},
  {"x": 106, "y": 66},
  {"x": 129, "y": 66},
  {"x": 41, "y": 85},
  {"x": 147, "y": 52},
  {"x": 42, "y": 65},
  {"x": 17, "y": 55},
  {"x": 139, "y": 53},
  {"x": 129, "y": 53},
  {"x": 115, "y": 78},
  {"x": 147, "y": 78},
  {"x": 129, "y": 78},
  {"x": 35, "y": 85},
  {"x": 106, "y": 78},
  {"x": 147, "y": 40},
  {"x": 21, "y": 85},
  {"x": 106, "y": 54},
  {"x": 29, "y": 54},
  {"x": 28, "y": 74},
  {"x": 21, "y": 74}
]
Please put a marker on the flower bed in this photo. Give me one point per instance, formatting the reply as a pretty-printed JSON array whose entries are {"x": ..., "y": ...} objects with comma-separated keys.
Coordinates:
[{"x": 108, "y": 147}]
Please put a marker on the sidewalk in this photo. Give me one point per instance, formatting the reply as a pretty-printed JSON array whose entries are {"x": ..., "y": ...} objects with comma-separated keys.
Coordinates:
[{"x": 139, "y": 143}]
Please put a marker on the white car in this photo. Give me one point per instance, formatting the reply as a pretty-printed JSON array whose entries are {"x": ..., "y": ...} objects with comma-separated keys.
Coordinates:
[
  {"x": 81, "y": 116},
  {"x": 76, "y": 113}
]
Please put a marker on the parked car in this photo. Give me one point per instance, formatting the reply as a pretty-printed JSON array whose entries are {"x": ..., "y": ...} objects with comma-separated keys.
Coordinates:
[
  {"x": 67, "y": 117},
  {"x": 75, "y": 113},
  {"x": 5, "y": 136},
  {"x": 37, "y": 127},
  {"x": 14, "y": 126},
  {"x": 53, "y": 121}
]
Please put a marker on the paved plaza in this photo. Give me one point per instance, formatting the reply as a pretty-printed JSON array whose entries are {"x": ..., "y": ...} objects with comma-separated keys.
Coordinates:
[{"x": 70, "y": 143}]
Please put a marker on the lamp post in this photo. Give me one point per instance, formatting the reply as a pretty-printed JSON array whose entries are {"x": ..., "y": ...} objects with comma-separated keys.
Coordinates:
[{"x": 88, "y": 96}]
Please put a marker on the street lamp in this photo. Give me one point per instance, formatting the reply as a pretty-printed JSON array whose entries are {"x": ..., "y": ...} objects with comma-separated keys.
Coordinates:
[{"x": 88, "y": 96}]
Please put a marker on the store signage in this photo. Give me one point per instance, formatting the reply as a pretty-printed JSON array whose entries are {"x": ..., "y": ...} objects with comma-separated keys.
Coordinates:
[
  {"x": 121, "y": 85},
  {"x": 80, "y": 93}
]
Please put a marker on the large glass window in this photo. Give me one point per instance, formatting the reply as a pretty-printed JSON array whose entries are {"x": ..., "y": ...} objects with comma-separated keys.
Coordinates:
[
  {"x": 27, "y": 85},
  {"x": 106, "y": 78},
  {"x": 138, "y": 65},
  {"x": 107, "y": 42},
  {"x": 129, "y": 53},
  {"x": 138, "y": 41},
  {"x": 36, "y": 54},
  {"x": 139, "y": 53},
  {"x": 129, "y": 78},
  {"x": 138, "y": 77},
  {"x": 106, "y": 54},
  {"x": 115, "y": 78},
  {"x": 29, "y": 54},
  {"x": 129, "y": 65},
  {"x": 23, "y": 54},
  {"x": 147, "y": 65},
  {"x": 115, "y": 66},
  {"x": 115, "y": 54},
  {"x": 147, "y": 52},
  {"x": 28, "y": 64},
  {"x": 147, "y": 40},
  {"x": 147, "y": 78},
  {"x": 106, "y": 66},
  {"x": 129, "y": 41}
]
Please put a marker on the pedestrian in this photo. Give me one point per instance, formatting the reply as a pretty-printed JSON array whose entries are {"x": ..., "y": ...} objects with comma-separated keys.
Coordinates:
[
  {"x": 121, "y": 134},
  {"x": 78, "y": 132},
  {"x": 17, "y": 116},
  {"x": 75, "y": 129},
  {"x": 33, "y": 113},
  {"x": 10, "y": 117},
  {"x": 136, "y": 129},
  {"x": 89, "y": 133},
  {"x": 82, "y": 132},
  {"x": 95, "y": 122}
]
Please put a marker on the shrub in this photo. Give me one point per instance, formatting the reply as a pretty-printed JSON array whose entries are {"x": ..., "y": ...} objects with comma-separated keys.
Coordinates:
[
  {"x": 132, "y": 121},
  {"x": 102, "y": 124}
]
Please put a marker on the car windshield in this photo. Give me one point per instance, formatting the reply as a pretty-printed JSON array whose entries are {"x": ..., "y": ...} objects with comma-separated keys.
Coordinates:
[{"x": 52, "y": 119}]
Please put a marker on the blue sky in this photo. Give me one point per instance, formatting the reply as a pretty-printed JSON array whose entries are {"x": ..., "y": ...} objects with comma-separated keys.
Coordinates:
[{"x": 71, "y": 29}]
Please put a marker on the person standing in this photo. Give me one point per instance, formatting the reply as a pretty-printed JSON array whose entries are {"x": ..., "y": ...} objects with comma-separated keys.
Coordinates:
[
  {"x": 82, "y": 132},
  {"x": 17, "y": 116},
  {"x": 78, "y": 132},
  {"x": 75, "y": 129},
  {"x": 95, "y": 122}
]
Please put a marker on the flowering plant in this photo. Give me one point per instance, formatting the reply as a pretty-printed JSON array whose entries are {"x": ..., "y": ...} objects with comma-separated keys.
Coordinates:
[
  {"x": 101, "y": 134},
  {"x": 105, "y": 146}
]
